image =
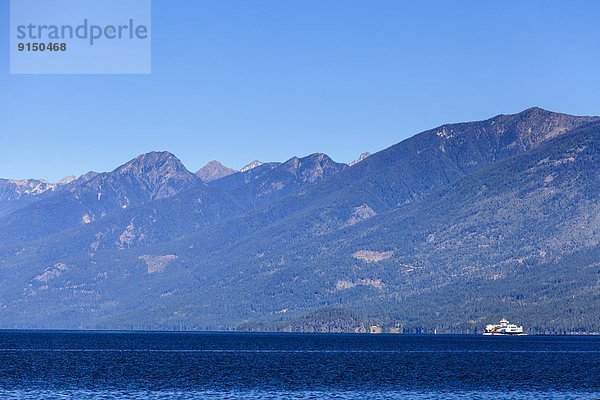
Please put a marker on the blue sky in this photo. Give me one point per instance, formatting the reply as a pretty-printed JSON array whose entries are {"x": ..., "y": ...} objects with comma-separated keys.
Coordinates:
[{"x": 270, "y": 79}]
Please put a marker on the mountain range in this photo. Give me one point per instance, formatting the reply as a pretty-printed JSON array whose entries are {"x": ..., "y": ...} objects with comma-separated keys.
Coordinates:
[{"x": 448, "y": 230}]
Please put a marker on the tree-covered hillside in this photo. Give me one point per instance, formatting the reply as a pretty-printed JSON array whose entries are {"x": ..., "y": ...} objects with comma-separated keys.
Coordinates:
[{"x": 449, "y": 230}]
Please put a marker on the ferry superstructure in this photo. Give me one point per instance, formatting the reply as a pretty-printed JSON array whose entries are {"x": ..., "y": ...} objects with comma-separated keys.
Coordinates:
[{"x": 504, "y": 328}]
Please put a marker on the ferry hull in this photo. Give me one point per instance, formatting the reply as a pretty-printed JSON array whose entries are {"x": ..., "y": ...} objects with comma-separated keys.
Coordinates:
[{"x": 504, "y": 334}]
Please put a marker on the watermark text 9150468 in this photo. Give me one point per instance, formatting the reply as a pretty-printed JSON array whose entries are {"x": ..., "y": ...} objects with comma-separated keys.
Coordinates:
[
  {"x": 80, "y": 37},
  {"x": 42, "y": 46}
]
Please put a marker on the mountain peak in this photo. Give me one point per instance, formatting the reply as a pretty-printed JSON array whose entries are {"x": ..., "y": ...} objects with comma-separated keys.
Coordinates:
[
  {"x": 509, "y": 133},
  {"x": 151, "y": 159},
  {"x": 534, "y": 109},
  {"x": 536, "y": 125},
  {"x": 317, "y": 157},
  {"x": 162, "y": 162},
  {"x": 67, "y": 180},
  {"x": 362, "y": 157},
  {"x": 252, "y": 165},
  {"x": 541, "y": 113},
  {"x": 159, "y": 174},
  {"x": 307, "y": 160},
  {"x": 214, "y": 170},
  {"x": 88, "y": 176},
  {"x": 313, "y": 167}
]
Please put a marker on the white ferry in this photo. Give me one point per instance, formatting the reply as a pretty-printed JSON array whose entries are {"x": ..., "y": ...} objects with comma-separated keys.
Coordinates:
[{"x": 504, "y": 328}]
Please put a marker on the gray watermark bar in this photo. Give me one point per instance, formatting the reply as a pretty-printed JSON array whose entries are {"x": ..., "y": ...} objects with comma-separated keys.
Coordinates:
[{"x": 80, "y": 37}]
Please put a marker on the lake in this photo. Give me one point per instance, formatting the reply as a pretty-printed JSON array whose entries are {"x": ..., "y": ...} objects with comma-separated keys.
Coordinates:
[{"x": 141, "y": 365}]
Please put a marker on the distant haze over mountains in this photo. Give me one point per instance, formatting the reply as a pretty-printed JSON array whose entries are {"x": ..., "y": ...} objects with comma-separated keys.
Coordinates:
[{"x": 448, "y": 230}]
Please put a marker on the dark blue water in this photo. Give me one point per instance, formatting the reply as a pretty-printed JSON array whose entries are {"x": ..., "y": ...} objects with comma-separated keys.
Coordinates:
[{"x": 48, "y": 365}]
